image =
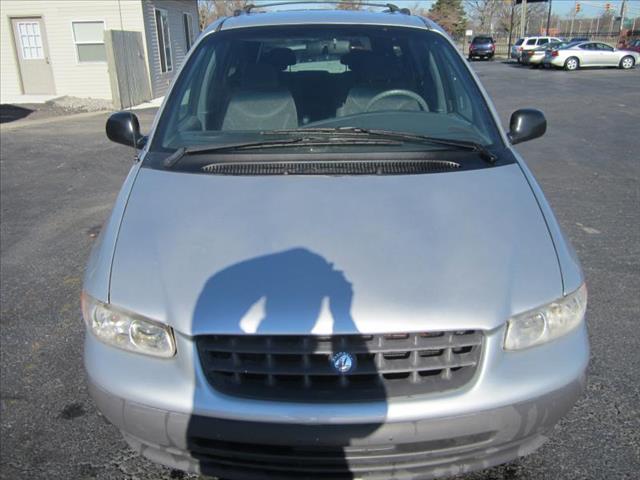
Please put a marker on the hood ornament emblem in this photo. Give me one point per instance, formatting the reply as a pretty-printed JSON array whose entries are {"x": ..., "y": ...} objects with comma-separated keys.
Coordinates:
[{"x": 343, "y": 362}]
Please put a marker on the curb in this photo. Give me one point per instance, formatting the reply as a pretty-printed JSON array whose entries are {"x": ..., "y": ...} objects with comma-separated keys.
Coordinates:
[{"x": 6, "y": 127}]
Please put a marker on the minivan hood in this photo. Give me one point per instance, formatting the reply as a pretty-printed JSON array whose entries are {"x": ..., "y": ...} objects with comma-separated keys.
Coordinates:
[{"x": 299, "y": 254}]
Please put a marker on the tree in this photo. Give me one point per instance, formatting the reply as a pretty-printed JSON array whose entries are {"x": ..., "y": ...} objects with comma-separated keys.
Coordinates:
[
  {"x": 483, "y": 13},
  {"x": 450, "y": 15},
  {"x": 210, "y": 10}
]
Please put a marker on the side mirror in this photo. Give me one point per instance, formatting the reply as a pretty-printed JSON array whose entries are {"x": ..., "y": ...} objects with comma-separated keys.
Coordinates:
[
  {"x": 526, "y": 124},
  {"x": 124, "y": 128}
]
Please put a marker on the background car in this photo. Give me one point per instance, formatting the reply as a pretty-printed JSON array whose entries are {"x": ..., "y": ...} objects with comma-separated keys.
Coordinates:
[
  {"x": 590, "y": 54},
  {"x": 536, "y": 56},
  {"x": 633, "y": 45},
  {"x": 482, "y": 47},
  {"x": 529, "y": 43}
]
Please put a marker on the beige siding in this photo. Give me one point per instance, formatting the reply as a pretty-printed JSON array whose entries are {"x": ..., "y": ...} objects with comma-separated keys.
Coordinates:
[
  {"x": 70, "y": 77},
  {"x": 175, "y": 8}
]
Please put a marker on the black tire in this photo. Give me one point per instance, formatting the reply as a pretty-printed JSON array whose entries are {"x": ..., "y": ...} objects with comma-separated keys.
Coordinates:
[
  {"x": 571, "y": 64},
  {"x": 470, "y": 58},
  {"x": 627, "y": 62}
]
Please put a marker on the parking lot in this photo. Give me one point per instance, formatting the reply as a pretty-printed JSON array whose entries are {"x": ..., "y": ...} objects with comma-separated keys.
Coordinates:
[{"x": 60, "y": 177}]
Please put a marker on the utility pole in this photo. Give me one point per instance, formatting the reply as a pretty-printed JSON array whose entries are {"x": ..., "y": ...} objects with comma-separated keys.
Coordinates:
[
  {"x": 511, "y": 29},
  {"x": 597, "y": 25},
  {"x": 571, "y": 29},
  {"x": 624, "y": 2},
  {"x": 549, "y": 17},
  {"x": 523, "y": 18}
]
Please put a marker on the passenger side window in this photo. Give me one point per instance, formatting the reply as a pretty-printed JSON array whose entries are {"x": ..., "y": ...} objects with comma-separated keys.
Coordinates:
[
  {"x": 603, "y": 47},
  {"x": 531, "y": 41},
  {"x": 587, "y": 46},
  {"x": 542, "y": 41}
]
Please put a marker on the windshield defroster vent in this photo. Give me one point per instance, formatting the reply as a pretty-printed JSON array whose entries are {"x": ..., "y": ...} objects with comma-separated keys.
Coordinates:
[{"x": 331, "y": 168}]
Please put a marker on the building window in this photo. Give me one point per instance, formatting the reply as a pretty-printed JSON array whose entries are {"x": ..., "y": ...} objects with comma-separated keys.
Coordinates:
[
  {"x": 187, "y": 20},
  {"x": 89, "y": 40},
  {"x": 164, "y": 40}
]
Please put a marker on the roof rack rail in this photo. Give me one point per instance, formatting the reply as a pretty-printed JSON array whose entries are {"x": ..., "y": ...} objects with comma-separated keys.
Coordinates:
[{"x": 391, "y": 8}]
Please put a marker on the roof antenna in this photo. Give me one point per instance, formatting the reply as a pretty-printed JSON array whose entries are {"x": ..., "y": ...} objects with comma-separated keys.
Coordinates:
[
  {"x": 246, "y": 9},
  {"x": 394, "y": 8}
]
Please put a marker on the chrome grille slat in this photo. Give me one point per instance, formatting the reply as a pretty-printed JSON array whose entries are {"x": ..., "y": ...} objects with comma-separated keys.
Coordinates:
[
  {"x": 256, "y": 345},
  {"x": 298, "y": 367},
  {"x": 368, "y": 368}
]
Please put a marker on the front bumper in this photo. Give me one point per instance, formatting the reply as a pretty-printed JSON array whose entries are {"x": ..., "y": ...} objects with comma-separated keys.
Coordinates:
[{"x": 168, "y": 412}]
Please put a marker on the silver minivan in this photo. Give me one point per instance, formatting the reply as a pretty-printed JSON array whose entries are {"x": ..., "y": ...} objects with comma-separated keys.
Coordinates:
[{"x": 328, "y": 261}]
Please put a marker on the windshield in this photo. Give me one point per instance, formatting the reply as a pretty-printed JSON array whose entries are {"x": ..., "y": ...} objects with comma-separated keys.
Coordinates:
[
  {"x": 242, "y": 83},
  {"x": 519, "y": 41}
]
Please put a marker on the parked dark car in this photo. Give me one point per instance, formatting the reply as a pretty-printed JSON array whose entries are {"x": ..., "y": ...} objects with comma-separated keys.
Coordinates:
[{"x": 482, "y": 47}]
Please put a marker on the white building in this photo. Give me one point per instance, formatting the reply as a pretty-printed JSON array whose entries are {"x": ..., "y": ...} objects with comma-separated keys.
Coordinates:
[{"x": 57, "y": 47}]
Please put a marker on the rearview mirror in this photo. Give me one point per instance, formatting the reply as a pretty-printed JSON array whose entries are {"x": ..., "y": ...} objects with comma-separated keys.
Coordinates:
[
  {"x": 526, "y": 124},
  {"x": 124, "y": 128}
]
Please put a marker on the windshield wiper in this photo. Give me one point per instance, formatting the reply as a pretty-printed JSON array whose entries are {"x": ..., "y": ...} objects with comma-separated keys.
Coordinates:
[
  {"x": 308, "y": 141},
  {"x": 173, "y": 159},
  {"x": 357, "y": 132}
]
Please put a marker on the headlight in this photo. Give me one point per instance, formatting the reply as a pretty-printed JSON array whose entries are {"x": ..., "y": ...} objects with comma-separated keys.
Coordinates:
[
  {"x": 546, "y": 323},
  {"x": 126, "y": 330}
]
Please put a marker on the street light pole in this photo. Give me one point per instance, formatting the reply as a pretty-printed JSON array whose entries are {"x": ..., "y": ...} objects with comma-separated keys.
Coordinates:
[
  {"x": 549, "y": 17},
  {"x": 523, "y": 18}
]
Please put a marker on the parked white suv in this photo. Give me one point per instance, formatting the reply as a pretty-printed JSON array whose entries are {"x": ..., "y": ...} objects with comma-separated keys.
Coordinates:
[{"x": 529, "y": 43}]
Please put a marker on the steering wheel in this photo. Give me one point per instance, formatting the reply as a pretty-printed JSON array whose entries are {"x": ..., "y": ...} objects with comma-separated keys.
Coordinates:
[{"x": 398, "y": 92}]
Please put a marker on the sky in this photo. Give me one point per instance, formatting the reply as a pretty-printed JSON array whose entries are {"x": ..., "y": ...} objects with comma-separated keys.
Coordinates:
[{"x": 589, "y": 8}]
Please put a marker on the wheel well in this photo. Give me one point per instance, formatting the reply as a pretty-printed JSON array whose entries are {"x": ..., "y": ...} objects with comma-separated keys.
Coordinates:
[
  {"x": 575, "y": 58},
  {"x": 628, "y": 56}
]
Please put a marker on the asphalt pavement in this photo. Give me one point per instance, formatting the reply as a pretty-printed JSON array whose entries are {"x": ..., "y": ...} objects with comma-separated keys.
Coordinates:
[{"x": 59, "y": 179}]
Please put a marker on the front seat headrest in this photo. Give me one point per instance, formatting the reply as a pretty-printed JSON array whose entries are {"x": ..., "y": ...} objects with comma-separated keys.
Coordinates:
[
  {"x": 372, "y": 68},
  {"x": 280, "y": 58}
]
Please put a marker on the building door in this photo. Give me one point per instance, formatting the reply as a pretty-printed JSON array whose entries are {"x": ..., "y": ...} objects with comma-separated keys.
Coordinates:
[{"x": 33, "y": 55}]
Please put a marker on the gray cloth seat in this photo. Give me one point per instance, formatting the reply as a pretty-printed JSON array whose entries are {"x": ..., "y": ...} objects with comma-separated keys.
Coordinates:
[
  {"x": 260, "y": 103},
  {"x": 374, "y": 74}
]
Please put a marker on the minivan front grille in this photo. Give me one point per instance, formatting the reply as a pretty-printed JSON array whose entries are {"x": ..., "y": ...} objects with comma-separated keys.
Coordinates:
[
  {"x": 399, "y": 167},
  {"x": 303, "y": 367}
]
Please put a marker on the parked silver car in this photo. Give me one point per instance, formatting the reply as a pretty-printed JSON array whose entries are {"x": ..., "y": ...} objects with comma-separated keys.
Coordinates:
[
  {"x": 590, "y": 54},
  {"x": 329, "y": 260}
]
